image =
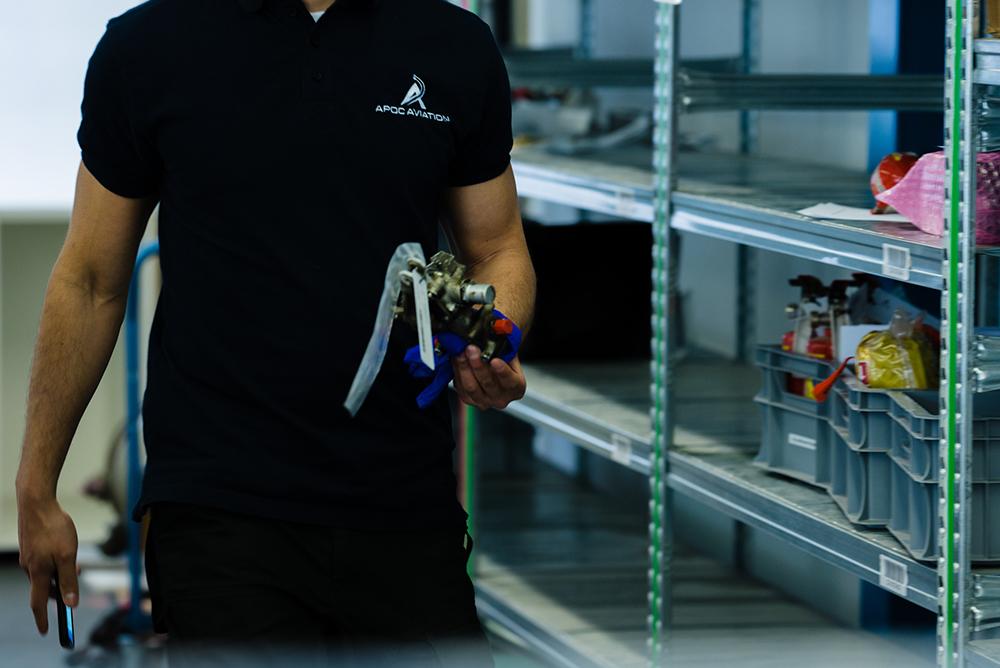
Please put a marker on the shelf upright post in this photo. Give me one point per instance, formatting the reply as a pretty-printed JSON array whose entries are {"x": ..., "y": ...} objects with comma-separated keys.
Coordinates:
[
  {"x": 585, "y": 47},
  {"x": 664, "y": 285},
  {"x": 469, "y": 426},
  {"x": 468, "y": 431},
  {"x": 751, "y": 63},
  {"x": 746, "y": 257},
  {"x": 957, "y": 305}
]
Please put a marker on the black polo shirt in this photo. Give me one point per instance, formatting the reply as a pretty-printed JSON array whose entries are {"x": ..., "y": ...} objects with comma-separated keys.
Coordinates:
[{"x": 290, "y": 158}]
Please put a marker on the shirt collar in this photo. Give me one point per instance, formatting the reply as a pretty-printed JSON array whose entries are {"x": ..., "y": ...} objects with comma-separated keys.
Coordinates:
[{"x": 257, "y": 5}]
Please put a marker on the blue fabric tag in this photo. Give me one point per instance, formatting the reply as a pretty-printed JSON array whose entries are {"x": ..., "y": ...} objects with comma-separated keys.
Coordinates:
[{"x": 447, "y": 346}]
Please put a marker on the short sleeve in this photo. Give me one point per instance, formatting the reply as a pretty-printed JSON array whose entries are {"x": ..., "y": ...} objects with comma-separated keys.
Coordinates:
[
  {"x": 111, "y": 147},
  {"x": 483, "y": 153}
]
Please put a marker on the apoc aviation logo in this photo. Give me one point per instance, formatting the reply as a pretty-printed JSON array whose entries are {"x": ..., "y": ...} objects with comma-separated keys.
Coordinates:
[
  {"x": 414, "y": 98},
  {"x": 416, "y": 93}
]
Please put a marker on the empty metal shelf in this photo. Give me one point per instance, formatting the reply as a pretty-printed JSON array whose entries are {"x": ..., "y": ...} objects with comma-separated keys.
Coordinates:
[
  {"x": 563, "y": 566},
  {"x": 604, "y": 407},
  {"x": 753, "y": 201},
  {"x": 718, "y": 91},
  {"x": 617, "y": 183}
]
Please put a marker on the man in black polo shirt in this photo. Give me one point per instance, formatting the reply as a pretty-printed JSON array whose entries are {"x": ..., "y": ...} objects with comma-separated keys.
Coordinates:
[{"x": 291, "y": 146}]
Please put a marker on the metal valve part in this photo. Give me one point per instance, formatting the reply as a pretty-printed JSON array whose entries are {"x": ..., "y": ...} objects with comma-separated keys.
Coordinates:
[
  {"x": 478, "y": 293},
  {"x": 457, "y": 304}
]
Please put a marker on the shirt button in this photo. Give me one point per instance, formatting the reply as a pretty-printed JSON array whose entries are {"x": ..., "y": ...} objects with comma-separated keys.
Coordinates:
[
  {"x": 314, "y": 41},
  {"x": 317, "y": 76}
]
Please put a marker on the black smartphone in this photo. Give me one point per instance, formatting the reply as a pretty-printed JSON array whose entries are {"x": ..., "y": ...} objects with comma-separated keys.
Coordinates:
[{"x": 67, "y": 634}]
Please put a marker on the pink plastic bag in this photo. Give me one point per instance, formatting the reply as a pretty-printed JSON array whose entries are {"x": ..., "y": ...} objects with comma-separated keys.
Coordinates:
[{"x": 920, "y": 196}]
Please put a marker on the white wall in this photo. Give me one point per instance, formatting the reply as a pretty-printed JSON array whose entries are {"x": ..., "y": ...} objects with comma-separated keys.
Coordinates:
[
  {"x": 796, "y": 36},
  {"x": 543, "y": 33},
  {"x": 624, "y": 28},
  {"x": 27, "y": 252},
  {"x": 44, "y": 48},
  {"x": 813, "y": 36}
]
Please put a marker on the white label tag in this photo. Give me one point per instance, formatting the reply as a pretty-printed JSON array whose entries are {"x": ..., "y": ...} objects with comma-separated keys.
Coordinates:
[
  {"x": 379, "y": 341},
  {"x": 896, "y": 262},
  {"x": 622, "y": 452},
  {"x": 625, "y": 204},
  {"x": 423, "y": 309},
  {"x": 893, "y": 575},
  {"x": 800, "y": 441}
]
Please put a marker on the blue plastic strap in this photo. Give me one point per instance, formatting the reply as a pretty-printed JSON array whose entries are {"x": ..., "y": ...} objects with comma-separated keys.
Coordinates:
[
  {"x": 448, "y": 346},
  {"x": 137, "y": 620}
]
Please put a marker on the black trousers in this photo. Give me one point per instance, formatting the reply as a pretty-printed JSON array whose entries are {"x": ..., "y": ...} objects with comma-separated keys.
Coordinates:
[{"x": 235, "y": 590}]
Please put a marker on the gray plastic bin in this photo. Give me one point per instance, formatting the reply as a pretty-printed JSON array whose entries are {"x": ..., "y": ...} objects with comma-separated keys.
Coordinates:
[
  {"x": 868, "y": 423},
  {"x": 837, "y": 488},
  {"x": 839, "y": 411},
  {"x": 869, "y": 492},
  {"x": 914, "y": 517},
  {"x": 795, "y": 433},
  {"x": 916, "y": 435},
  {"x": 860, "y": 482},
  {"x": 794, "y": 443},
  {"x": 899, "y": 515},
  {"x": 876, "y": 452},
  {"x": 777, "y": 365}
]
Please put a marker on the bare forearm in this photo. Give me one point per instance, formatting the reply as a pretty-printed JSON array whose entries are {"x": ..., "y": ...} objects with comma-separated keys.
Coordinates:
[
  {"x": 511, "y": 273},
  {"x": 76, "y": 337}
]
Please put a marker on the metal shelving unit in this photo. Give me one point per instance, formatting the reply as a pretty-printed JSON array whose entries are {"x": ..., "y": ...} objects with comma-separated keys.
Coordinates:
[
  {"x": 562, "y": 566},
  {"x": 762, "y": 216},
  {"x": 716, "y": 84},
  {"x": 710, "y": 91},
  {"x": 602, "y": 408},
  {"x": 987, "y": 70},
  {"x": 983, "y": 654},
  {"x": 744, "y": 199},
  {"x": 752, "y": 201},
  {"x": 545, "y": 540},
  {"x": 617, "y": 183}
]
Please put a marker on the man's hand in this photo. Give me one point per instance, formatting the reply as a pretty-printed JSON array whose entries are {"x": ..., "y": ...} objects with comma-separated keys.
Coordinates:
[
  {"x": 47, "y": 538},
  {"x": 485, "y": 386}
]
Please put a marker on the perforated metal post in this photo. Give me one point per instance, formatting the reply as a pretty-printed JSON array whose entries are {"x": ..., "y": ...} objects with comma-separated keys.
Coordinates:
[
  {"x": 585, "y": 48},
  {"x": 470, "y": 433},
  {"x": 469, "y": 429},
  {"x": 958, "y": 325},
  {"x": 751, "y": 63},
  {"x": 746, "y": 257},
  {"x": 664, "y": 281}
]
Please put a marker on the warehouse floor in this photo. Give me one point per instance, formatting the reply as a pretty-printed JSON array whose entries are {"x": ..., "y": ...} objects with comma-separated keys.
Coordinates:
[
  {"x": 570, "y": 554},
  {"x": 23, "y": 647},
  {"x": 574, "y": 558}
]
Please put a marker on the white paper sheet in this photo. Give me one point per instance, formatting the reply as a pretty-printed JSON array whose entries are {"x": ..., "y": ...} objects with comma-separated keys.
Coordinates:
[
  {"x": 832, "y": 211},
  {"x": 422, "y": 307}
]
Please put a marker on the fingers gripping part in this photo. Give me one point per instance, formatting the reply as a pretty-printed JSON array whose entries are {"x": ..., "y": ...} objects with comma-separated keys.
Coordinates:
[{"x": 448, "y": 347}]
